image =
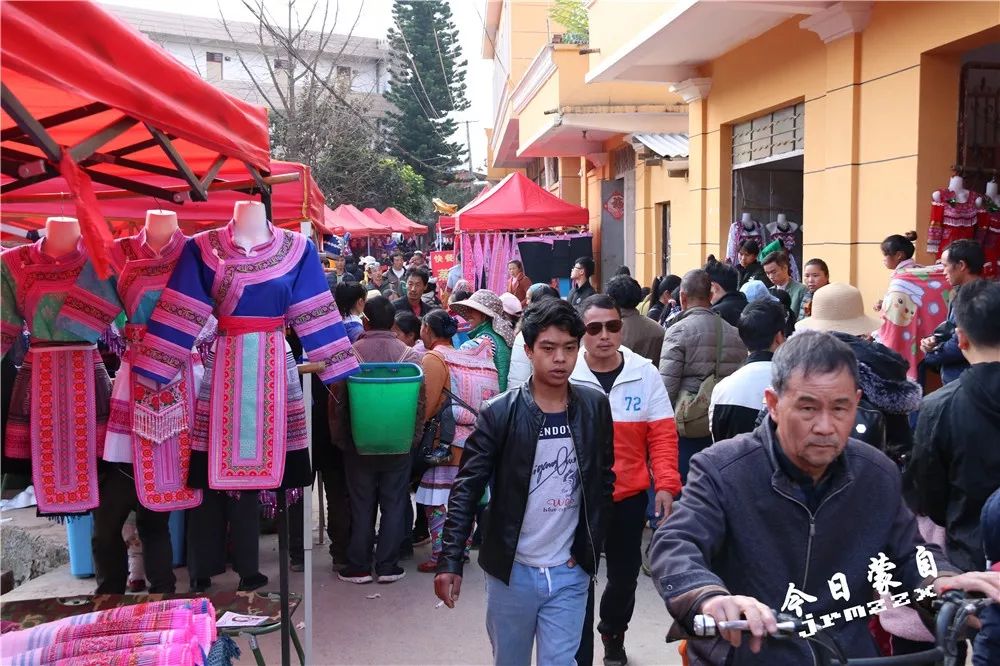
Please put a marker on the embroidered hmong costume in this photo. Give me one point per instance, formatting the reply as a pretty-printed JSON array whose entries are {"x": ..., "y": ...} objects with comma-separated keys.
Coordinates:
[
  {"x": 60, "y": 403},
  {"x": 989, "y": 236},
  {"x": 789, "y": 239},
  {"x": 739, "y": 233},
  {"x": 149, "y": 426},
  {"x": 250, "y": 422},
  {"x": 951, "y": 220}
]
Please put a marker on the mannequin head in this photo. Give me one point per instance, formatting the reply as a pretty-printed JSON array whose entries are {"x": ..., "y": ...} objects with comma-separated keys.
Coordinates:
[
  {"x": 746, "y": 219},
  {"x": 956, "y": 184},
  {"x": 61, "y": 235},
  {"x": 249, "y": 213},
  {"x": 160, "y": 225}
]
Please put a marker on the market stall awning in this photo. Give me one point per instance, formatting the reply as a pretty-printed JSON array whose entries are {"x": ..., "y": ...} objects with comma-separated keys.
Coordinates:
[
  {"x": 518, "y": 203},
  {"x": 297, "y": 199},
  {"x": 446, "y": 223},
  {"x": 395, "y": 216},
  {"x": 381, "y": 220},
  {"x": 354, "y": 222},
  {"x": 88, "y": 98}
]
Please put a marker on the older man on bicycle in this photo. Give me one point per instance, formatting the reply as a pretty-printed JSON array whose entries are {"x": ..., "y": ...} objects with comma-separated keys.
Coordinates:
[{"x": 799, "y": 517}]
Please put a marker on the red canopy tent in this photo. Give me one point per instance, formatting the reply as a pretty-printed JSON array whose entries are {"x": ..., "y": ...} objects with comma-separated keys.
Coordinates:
[
  {"x": 90, "y": 99},
  {"x": 352, "y": 220},
  {"x": 516, "y": 204},
  {"x": 293, "y": 201},
  {"x": 398, "y": 218},
  {"x": 446, "y": 223}
]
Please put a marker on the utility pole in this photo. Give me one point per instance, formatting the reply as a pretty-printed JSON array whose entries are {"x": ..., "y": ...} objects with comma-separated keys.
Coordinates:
[{"x": 468, "y": 145}]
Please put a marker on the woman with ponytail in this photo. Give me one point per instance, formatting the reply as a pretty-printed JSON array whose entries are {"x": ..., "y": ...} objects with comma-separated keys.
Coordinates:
[
  {"x": 451, "y": 377},
  {"x": 897, "y": 255}
]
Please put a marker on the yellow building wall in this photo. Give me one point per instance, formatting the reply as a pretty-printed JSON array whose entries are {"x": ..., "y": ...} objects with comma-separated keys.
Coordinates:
[
  {"x": 881, "y": 111},
  {"x": 614, "y": 23},
  {"x": 654, "y": 189},
  {"x": 566, "y": 87}
]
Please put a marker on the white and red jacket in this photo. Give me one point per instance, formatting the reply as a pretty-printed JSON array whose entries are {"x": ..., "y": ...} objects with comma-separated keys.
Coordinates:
[{"x": 645, "y": 434}]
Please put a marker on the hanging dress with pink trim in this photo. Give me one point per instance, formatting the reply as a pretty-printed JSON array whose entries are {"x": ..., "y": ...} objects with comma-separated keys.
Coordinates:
[
  {"x": 250, "y": 420},
  {"x": 61, "y": 396}
]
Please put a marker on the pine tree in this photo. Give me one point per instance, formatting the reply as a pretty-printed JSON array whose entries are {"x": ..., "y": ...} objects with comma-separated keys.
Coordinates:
[{"x": 426, "y": 83}]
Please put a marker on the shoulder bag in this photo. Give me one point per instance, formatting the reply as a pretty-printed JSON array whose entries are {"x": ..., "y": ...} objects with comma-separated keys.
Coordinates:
[{"x": 691, "y": 412}]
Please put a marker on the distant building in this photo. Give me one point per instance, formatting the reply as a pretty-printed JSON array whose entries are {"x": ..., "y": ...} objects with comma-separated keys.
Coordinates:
[{"x": 223, "y": 56}]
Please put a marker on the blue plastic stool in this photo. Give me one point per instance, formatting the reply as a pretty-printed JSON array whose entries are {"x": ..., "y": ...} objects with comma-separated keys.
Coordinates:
[{"x": 80, "y": 530}]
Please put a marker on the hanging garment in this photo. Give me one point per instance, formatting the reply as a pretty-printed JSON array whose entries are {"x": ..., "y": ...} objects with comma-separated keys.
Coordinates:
[
  {"x": 468, "y": 260},
  {"x": 60, "y": 403},
  {"x": 249, "y": 426},
  {"x": 951, "y": 220},
  {"x": 149, "y": 426},
  {"x": 789, "y": 240},
  {"x": 988, "y": 236},
  {"x": 484, "y": 273},
  {"x": 497, "y": 270},
  {"x": 739, "y": 233},
  {"x": 478, "y": 260}
]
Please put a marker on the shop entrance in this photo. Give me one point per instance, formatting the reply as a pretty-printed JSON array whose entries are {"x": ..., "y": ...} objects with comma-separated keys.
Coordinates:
[{"x": 767, "y": 176}]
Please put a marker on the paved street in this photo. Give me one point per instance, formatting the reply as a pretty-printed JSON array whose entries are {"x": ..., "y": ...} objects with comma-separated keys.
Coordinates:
[{"x": 401, "y": 626}]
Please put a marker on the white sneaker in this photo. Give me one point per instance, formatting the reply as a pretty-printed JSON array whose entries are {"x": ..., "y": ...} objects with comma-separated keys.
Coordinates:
[
  {"x": 397, "y": 574},
  {"x": 356, "y": 577}
]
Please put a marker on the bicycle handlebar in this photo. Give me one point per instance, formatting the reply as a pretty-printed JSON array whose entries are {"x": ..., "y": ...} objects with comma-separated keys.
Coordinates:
[{"x": 953, "y": 609}]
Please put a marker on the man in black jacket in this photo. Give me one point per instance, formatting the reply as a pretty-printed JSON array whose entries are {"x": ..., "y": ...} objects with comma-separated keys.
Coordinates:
[
  {"x": 583, "y": 269},
  {"x": 547, "y": 447},
  {"x": 955, "y": 464},
  {"x": 796, "y": 516},
  {"x": 727, "y": 299}
]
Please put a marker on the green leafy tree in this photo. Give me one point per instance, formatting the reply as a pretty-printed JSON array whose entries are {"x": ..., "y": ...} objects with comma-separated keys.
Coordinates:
[
  {"x": 426, "y": 84},
  {"x": 572, "y": 15}
]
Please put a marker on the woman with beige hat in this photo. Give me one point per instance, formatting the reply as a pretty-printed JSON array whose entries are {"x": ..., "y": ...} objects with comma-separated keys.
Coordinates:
[
  {"x": 484, "y": 311},
  {"x": 887, "y": 396}
]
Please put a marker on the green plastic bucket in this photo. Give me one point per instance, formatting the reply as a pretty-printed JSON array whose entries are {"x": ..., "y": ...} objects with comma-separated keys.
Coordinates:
[{"x": 383, "y": 400}]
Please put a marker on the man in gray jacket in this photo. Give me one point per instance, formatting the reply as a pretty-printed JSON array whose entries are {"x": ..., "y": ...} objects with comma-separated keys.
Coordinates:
[
  {"x": 797, "y": 516},
  {"x": 689, "y": 350}
]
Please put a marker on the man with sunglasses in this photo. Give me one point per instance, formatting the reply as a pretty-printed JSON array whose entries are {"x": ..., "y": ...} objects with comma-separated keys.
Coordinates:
[{"x": 645, "y": 437}]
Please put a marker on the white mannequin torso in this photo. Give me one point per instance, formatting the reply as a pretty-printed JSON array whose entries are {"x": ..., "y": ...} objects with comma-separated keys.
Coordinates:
[
  {"x": 956, "y": 185},
  {"x": 992, "y": 193},
  {"x": 62, "y": 234},
  {"x": 250, "y": 226},
  {"x": 748, "y": 222},
  {"x": 160, "y": 226},
  {"x": 782, "y": 225}
]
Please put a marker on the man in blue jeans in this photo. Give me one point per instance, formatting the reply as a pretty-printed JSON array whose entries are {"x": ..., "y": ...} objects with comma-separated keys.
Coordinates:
[{"x": 547, "y": 448}]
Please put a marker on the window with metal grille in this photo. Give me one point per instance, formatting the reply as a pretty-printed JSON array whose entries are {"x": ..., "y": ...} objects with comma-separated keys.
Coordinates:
[
  {"x": 622, "y": 161},
  {"x": 979, "y": 124},
  {"x": 770, "y": 136}
]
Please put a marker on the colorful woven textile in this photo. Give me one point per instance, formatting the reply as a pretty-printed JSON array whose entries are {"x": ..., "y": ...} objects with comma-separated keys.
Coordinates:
[{"x": 917, "y": 301}]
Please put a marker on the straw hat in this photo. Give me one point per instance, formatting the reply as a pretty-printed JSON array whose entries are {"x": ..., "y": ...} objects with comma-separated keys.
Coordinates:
[
  {"x": 839, "y": 307},
  {"x": 488, "y": 303}
]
